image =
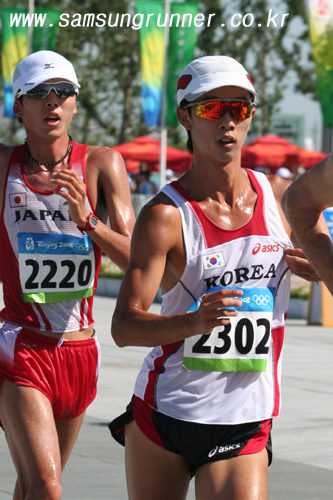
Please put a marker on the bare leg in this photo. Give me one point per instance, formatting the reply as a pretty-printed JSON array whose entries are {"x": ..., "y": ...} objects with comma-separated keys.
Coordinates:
[
  {"x": 239, "y": 478},
  {"x": 68, "y": 430},
  {"x": 17, "y": 491},
  {"x": 39, "y": 455},
  {"x": 152, "y": 472}
]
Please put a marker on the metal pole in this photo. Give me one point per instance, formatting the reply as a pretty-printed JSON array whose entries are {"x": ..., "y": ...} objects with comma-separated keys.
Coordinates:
[
  {"x": 164, "y": 88},
  {"x": 30, "y": 28}
]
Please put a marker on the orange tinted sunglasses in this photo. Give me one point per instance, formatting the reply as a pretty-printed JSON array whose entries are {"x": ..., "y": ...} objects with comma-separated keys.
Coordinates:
[{"x": 213, "y": 110}]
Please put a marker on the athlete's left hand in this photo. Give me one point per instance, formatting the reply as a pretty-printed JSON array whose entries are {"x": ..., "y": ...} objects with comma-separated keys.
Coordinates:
[
  {"x": 299, "y": 265},
  {"x": 75, "y": 194}
]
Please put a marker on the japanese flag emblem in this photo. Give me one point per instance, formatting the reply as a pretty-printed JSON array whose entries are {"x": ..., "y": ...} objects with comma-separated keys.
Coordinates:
[
  {"x": 213, "y": 260},
  {"x": 17, "y": 200}
]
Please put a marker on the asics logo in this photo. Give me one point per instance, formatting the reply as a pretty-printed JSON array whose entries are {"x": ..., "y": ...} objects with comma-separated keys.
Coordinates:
[
  {"x": 223, "y": 449},
  {"x": 265, "y": 248},
  {"x": 261, "y": 300},
  {"x": 256, "y": 249}
]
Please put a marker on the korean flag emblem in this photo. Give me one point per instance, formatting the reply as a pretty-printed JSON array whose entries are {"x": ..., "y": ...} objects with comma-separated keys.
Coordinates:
[{"x": 213, "y": 260}]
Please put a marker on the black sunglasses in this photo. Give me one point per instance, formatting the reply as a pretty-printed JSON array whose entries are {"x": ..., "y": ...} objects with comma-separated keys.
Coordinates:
[{"x": 41, "y": 91}]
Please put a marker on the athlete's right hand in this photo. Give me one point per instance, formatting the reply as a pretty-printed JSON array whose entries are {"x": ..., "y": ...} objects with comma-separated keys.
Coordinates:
[{"x": 212, "y": 312}]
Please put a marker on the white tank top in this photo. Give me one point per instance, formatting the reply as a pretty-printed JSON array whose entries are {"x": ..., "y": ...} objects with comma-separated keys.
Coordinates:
[
  {"x": 231, "y": 375},
  {"x": 48, "y": 267}
]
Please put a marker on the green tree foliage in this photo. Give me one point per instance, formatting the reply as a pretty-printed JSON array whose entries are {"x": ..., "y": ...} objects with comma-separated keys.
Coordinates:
[
  {"x": 272, "y": 54},
  {"x": 107, "y": 61}
]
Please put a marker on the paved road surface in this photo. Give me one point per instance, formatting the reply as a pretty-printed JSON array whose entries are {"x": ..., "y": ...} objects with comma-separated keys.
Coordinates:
[{"x": 302, "y": 436}]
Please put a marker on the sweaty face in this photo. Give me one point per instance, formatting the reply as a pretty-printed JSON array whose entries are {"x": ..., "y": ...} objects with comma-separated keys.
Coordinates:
[
  {"x": 221, "y": 140},
  {"x": 46, "y": 117}
]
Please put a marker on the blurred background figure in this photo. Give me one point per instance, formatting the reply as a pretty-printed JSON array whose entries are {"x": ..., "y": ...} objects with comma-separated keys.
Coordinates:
[
  {"x": 170, "y": 175},
  {"x": 285, "y": 173},
  {"x": 145, "y": 185},
  {"x": 132, "y": 183},
  {"x": 300, "y": 171},
  {"x": 262, "y": 169}
]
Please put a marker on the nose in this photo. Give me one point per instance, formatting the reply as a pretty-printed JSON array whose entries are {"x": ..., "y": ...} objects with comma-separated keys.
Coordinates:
[
  {"x": 52, "y": 100},
  {"x": 227, "y": 119}
]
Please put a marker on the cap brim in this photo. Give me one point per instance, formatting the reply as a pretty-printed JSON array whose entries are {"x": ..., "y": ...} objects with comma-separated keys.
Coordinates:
[
  {"x": 203, "y": 89},
  {"x": 48, "y": 76}
]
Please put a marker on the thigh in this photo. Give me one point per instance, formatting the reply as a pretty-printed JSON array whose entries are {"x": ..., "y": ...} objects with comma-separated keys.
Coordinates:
[
  {"x": 30, "y": 430},
  {"x": 239, "y": 478},
  {"x": 153, "y": 473}
]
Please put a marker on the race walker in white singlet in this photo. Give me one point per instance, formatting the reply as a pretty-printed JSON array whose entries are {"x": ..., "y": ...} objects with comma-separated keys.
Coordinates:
[{"x": 235, "y": 368}]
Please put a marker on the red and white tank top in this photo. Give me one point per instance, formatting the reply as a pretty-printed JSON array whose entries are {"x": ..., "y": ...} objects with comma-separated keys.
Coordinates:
[
  {"x": 48, "y": 267},
  {"x": 232, "y": 374}
]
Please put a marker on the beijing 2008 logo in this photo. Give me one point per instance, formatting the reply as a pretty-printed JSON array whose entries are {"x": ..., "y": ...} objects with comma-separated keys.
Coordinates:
[
  {"x": 29, "y": 243},
  {"x": 261, "y": 300}
]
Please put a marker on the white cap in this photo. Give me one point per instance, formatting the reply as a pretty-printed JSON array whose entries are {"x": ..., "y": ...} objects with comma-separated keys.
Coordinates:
[
  {"x": 40, "y": 67},
  {"x": 210, "y": 72},
  {"x": 284, "y": 173}
]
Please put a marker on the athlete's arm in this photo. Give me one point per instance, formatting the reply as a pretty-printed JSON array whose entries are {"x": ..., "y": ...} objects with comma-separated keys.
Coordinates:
[
  {"x": 155, "y": 236},
  {"x": 303, "y": 203},
  {"x": 109, "y": 189},
  {"x": 295, "y": 258}
]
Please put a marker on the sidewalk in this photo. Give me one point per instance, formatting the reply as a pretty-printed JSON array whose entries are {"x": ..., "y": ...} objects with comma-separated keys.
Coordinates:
[{"x": 302, "y": 437}]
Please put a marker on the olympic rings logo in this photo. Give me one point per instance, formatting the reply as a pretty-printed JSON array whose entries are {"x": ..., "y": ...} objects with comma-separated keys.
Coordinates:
[
  {"x": 261, "y": 300},
  {"x": 81, "y": 246}
]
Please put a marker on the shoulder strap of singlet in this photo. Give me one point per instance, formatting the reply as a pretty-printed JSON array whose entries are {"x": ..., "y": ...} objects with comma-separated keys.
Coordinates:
[
  {"x": 17, "y": 155},
  {"x": 78, "y": 155}
]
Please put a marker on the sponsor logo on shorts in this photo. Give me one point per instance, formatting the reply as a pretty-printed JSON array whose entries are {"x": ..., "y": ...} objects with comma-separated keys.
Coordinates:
[
  {"x": 265, "y": 248},
  {"x": 223, "y": 449}
]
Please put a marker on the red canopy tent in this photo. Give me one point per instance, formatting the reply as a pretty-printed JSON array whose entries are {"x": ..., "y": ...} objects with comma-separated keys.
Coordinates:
[
  {"x": 147, "y": 149},
  {"x": 274, "y": 152}
]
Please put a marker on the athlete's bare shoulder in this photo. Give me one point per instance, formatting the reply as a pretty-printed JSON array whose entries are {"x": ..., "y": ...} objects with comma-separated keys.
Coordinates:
[
  {"x": 160, "y": 205},
  {"x": 160, "y": 218},
  {"x": 160, "y": 223},
  {"x": 104, "y": 159}
]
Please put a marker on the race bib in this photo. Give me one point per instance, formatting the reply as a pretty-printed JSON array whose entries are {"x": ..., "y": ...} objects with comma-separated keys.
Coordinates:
[
  {"x": 240, "y": 346},
  {"x": 55, "y": 267}
]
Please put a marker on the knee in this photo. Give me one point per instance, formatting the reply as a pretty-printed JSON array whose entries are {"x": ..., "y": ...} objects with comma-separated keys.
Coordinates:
[{"x": 48, "y": 490}]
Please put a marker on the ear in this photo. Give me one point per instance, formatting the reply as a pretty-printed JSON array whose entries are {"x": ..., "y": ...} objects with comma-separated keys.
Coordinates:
[
  {"x": 254, "y": 112},
  {"x": 184, "y": 118},
  {"x": 17, "y": 108}
]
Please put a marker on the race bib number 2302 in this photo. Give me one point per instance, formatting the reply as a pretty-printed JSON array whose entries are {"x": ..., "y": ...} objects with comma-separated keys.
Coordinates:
[{"x": 240, "y": 346}]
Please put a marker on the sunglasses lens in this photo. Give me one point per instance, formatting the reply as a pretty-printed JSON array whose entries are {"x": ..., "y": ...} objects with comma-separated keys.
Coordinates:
[
  {"x": 62, "y": 89},
  {"x": 213, "y": 110}
]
